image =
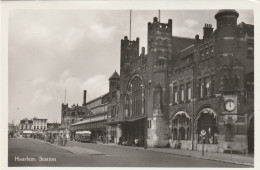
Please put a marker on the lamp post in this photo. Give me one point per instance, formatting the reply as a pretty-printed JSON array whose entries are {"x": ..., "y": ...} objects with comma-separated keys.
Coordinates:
[{"x": 145, "y": 132}]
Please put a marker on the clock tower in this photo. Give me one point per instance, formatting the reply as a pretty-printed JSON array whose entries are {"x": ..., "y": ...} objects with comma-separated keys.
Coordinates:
[{"x": 230, "y": 73}]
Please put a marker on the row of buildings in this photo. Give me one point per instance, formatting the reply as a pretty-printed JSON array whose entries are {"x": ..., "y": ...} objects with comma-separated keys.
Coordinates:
[
  {"x": 36, "y": 125},
  {"x": 188, "y": 90}
]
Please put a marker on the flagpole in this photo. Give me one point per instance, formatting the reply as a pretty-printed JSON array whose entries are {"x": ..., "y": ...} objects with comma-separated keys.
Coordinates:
[
  {"x": 130, "y": 24},
  {"x": 159, "y": 15}
]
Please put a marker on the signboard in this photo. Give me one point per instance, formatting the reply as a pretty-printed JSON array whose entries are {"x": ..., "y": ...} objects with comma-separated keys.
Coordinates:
[{"x": 203, "y": 132}]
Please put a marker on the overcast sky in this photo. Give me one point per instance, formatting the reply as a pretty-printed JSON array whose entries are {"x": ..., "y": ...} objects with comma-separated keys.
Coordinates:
[{"x": 50, "y": 50}]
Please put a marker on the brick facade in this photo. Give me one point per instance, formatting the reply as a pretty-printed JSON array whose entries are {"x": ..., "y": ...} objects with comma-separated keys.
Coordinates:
[{"x": 185, "y": 85}]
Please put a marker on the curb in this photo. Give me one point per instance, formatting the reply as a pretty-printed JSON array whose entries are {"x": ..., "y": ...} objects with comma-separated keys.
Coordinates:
[
  {"x": 137, "y": 148},
  {"x": 199, "y": 157}
]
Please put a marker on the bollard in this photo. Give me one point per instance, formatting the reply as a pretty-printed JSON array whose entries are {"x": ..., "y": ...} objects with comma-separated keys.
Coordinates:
[
  {"x": 246, "y": 155},
  {"x": 203, "y": 148},
  {"x": 231, "y": 154}
]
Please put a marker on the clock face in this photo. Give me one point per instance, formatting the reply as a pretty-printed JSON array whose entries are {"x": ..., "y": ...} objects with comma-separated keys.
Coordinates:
[{"x": 230, "y": 105}]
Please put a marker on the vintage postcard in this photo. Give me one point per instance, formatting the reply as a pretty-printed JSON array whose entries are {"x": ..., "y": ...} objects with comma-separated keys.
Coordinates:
[{"x": 128, "y": 84}]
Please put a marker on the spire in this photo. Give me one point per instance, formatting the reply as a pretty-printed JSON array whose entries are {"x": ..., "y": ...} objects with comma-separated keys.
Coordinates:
[
  {"x": 159, "y": 15},
  {"x": 115, "y": 75},
  {"x": 65, "y": 97}
]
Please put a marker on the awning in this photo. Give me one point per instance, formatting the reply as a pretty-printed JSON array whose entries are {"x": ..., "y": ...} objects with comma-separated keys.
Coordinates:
[
  {"x": 114, "y": 122},
  {"x": 134, "y": 119},
  {"x": 181, "y": 113},
  {"x": 27, "y": 131},
  {"x": 209, "y": 111}
]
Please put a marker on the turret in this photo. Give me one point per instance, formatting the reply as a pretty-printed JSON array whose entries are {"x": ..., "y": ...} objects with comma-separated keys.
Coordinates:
[
  {"x": 229, "y": 68},
  {"x": 226, "y": 22},
  {"x": 114, "y": 81},
  {"x": 129, "y": 51},
  {"x": 157, "y": 33}
]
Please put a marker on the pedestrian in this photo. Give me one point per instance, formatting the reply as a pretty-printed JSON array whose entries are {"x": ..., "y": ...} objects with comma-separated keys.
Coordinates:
[{"x": 120, "y": 140}]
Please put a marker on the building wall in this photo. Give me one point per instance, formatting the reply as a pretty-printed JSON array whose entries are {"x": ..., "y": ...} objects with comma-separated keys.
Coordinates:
[
  {"x": 201, "y": 64},
  {"x": 39, "y": 124}
]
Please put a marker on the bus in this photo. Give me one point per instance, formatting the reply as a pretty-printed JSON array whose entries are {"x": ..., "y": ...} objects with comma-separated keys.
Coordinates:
[
  {"x": 85, "y": 136},
  {"x": 78, "y": 135}
]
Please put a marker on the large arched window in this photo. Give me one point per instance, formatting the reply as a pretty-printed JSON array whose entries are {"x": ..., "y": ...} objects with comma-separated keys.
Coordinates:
[
  {"x": 181, "y": 133},
  {"x": 135, "y": 98},
  {"x": 207, "y": 120},
  {"x": 181, "y": 126},
  {"x": 175, "y": 134}
]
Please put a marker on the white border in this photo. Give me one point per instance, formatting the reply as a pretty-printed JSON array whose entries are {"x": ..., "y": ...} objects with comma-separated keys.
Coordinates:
[{"x": 99, "y": 5}]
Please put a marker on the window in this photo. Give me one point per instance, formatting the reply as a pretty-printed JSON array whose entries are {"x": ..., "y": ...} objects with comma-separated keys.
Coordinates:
[
  {"x": 207, "y": 87},
  {"x": 182, "y": 133},
  {"x": 211, "y": 52},
  {"x": 175, "y": 134},
  {"x": 175, "y": 95},
  {"x": 207, "y": 53},
  {"x": 117, "y": 111},
  {"x": 236, "y": 82},
  {"x": 249, "y": 86},
  {"x": 201, "y": 55},
  {"x": 201, "y": 88},
  {"x": 189, "y": 91},
  {"x": 149, "y": 123},
  {"x": 225, "y": 82},
  {"x": 134, "y": 98},
  {"x": 250, "y": 51},
  {"x": 182, "y": 92},
  {"x": 212, "y": 85}
]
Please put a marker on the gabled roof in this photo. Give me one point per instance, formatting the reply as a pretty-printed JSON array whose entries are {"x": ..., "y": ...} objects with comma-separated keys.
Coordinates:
[
  {"x": 82, "y": 109},
  {"x": 248, "y": 28},
  {"x": 115, "y": 75}
]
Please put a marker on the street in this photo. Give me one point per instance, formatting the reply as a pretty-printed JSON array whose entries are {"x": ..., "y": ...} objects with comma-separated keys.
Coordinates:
[{"x": 32, "y": 152}]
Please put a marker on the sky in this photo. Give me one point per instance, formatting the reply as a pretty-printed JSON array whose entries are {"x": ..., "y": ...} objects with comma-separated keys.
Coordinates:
[{"x": 53, "y": 50}]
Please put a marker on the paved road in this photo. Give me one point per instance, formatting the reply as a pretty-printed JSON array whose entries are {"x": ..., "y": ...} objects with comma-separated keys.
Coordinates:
[{"x": 96, "y": 155}]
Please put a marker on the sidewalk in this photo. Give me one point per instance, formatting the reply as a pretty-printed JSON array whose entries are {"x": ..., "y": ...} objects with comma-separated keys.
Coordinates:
[
  {"x": 74, "y": 149},
  {"x": 223, "y": 157}
]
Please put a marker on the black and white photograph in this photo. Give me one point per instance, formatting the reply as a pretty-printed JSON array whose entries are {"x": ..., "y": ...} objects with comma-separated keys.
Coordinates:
[{"x": 90, "y": 85}]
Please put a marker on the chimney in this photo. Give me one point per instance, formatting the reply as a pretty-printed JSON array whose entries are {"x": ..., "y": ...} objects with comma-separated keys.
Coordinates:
[
  {"x": 84, "y": 97},
  {"x": 197, "y": 38},
  {"x": 207, "y": 30}
]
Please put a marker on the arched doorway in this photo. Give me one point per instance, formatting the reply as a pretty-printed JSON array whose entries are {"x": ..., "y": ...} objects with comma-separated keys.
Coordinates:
[
  {"x": 180, "y": 121},
  {"x": 207, "y": 121},
  {"x": 250, "y": 136}
]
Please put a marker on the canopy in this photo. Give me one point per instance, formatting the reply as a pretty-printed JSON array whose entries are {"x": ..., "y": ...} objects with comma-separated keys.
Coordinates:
[
  {"x": 134, "y": 119},
  {"x": 207, "y": 111},
  {"x": 181, "y": 113},
  {"x": 27, "y": 131}
]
